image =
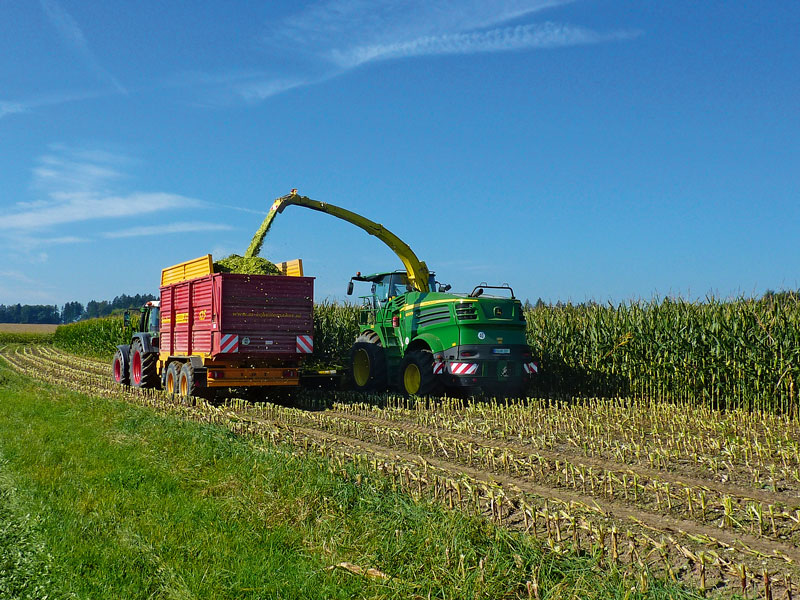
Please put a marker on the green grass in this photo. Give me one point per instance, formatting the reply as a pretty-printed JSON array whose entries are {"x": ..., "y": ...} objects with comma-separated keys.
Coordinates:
[
  {"x": 124, "y": 502},
  {"x": 24, "y": 564}
]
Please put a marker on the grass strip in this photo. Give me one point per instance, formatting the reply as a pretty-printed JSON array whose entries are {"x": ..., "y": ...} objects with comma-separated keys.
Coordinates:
[
  {"x": 132, "y": 503},
  {"x": 24, "y": 564}
]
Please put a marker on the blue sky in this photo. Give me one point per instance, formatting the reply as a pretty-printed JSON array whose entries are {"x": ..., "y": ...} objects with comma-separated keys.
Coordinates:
[{"x": 595, "y": 149}]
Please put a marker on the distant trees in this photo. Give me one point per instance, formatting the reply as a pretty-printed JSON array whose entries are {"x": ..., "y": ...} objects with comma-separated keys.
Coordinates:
[
  {"x": 71, "y": 311},
  {"x": 29, "y": 313}
]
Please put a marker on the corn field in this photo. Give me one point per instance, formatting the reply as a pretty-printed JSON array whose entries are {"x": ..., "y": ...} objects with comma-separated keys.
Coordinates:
[{"x": 727, "y": 354}]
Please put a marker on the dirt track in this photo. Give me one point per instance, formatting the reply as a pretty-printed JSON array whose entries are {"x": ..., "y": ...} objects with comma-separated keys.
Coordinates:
[{"x": 540, "y": 490}]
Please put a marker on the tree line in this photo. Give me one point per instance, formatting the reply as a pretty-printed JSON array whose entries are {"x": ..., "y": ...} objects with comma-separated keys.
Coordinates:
[{"x": 71, "y": 311}]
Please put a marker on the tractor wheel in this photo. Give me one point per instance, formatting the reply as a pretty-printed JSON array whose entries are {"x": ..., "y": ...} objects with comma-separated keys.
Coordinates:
[
  {"x": 143, "y": 367},
  {"x": 416, "y": 374},
  {"x": 118, "y": 372},
  {"x": 368, "y": 364},
  {"x": 173, "y": 378}
]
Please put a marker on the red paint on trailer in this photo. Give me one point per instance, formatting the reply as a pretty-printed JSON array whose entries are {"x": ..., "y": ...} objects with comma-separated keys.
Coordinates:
[{"x": 266, "y": 312}]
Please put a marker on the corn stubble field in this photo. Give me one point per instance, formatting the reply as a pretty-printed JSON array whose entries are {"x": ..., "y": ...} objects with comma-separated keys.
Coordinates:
[{"x": 692, "y": 471}]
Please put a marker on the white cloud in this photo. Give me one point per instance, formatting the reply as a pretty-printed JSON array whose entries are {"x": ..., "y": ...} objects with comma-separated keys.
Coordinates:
[
  {"x": 183, "y": 227},
  {"x": 79, "y": 185},
  {"x": 76, "y": 207},
  {"x": 263, "y": 89},
  {"x": 547, "y": 35},
  {"x": 336, "y": 36},
  {"x": 365, "y": 22},
  {"x": 10, "y": 108},
  {"x": 72, "y": 35},
  {"x": 16, "y": 276}
]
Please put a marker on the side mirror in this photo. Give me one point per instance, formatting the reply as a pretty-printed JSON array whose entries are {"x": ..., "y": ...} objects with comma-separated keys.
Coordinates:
[
  {"x": 350, "y": 288},
  {"x": 126, "y": 318},
  {"x": 445, "y": 288}
]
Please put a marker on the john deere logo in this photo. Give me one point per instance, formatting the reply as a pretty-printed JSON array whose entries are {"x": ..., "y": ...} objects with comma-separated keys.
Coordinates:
[{"x": 245, "y": 341}]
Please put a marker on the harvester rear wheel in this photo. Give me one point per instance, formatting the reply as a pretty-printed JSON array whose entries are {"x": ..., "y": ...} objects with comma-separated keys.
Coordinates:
[
  {"x": 416, "y": 374},
  {"x": 368, "y": 363},
  {"x": 143, "y": 373},
  {"x": 118, "y": 371}
]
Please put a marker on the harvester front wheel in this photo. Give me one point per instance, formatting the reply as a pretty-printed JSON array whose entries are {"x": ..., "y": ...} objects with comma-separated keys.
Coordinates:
[
  {"x": 368, "y": 365},
  {"x": 143, "y": 373},
  {"x": 416, "y": 374},
  {"x": 118, "y": 371}
]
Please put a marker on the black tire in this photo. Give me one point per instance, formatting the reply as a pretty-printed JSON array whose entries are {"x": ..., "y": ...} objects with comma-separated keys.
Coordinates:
[
  {"x": 368, "y": 363},
  {"x": 118, "y": 371},
  {"x": 416, "y": 374},
  {"x": 190, "y": 384},
  {"x": 172, "y": 378},
  {"x": 143, "y": 372}
]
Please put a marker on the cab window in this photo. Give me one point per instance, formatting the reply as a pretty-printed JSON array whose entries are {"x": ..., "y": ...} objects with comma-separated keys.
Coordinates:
[{"x": 152, "y": 321}]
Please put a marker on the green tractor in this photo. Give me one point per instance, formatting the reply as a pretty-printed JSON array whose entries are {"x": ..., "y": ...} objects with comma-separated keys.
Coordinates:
[{"x": 417, "y": 337}]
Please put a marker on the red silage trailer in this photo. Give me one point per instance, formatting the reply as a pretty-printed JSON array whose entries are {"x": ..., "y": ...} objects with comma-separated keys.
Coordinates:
[{"x": 213, "y": 330}]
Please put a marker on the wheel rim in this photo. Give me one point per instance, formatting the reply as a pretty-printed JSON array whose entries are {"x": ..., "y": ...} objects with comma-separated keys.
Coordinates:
[
  {"x": 137, "y": 368},
  {"x": 412, "y": 378},
  {"x": 184, "y": 387},
  {"x": 117, "y": 370},
  {"x": 170, "y": 382},
  {"x": 361, "y": 367}
]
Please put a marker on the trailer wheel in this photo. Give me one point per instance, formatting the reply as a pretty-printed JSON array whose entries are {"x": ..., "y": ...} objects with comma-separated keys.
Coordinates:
[
  {"x": 143, "y": 373},
  {"x": 187, "y": 383},
  {"x": 171, "y": 381},
  {"x": 416, "y": 374},
  {"x": 118, "y": 371},
  {"x": 190, "y": 384},
  {"x": 368, "y": 364}
]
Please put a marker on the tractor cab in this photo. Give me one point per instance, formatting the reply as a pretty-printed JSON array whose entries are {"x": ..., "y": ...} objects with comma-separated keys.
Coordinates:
[{"x": 149, "y": 321}]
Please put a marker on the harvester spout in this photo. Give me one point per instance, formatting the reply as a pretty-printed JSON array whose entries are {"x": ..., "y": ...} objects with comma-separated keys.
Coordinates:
[{"x": 417, "y": 270}]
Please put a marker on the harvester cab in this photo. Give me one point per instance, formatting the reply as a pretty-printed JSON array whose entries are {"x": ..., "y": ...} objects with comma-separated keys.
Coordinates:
[{"x": 386, "y": 286}]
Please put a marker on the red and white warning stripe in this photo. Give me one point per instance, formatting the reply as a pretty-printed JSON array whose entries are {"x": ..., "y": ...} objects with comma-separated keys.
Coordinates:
[
  {"x": 229, "y": 342},
  {"x": 305, "y": 344},
  {"x": 438, "y": 368},
  {"x": 530, "y": 368},
  {"x": 459, "y": 368}
]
